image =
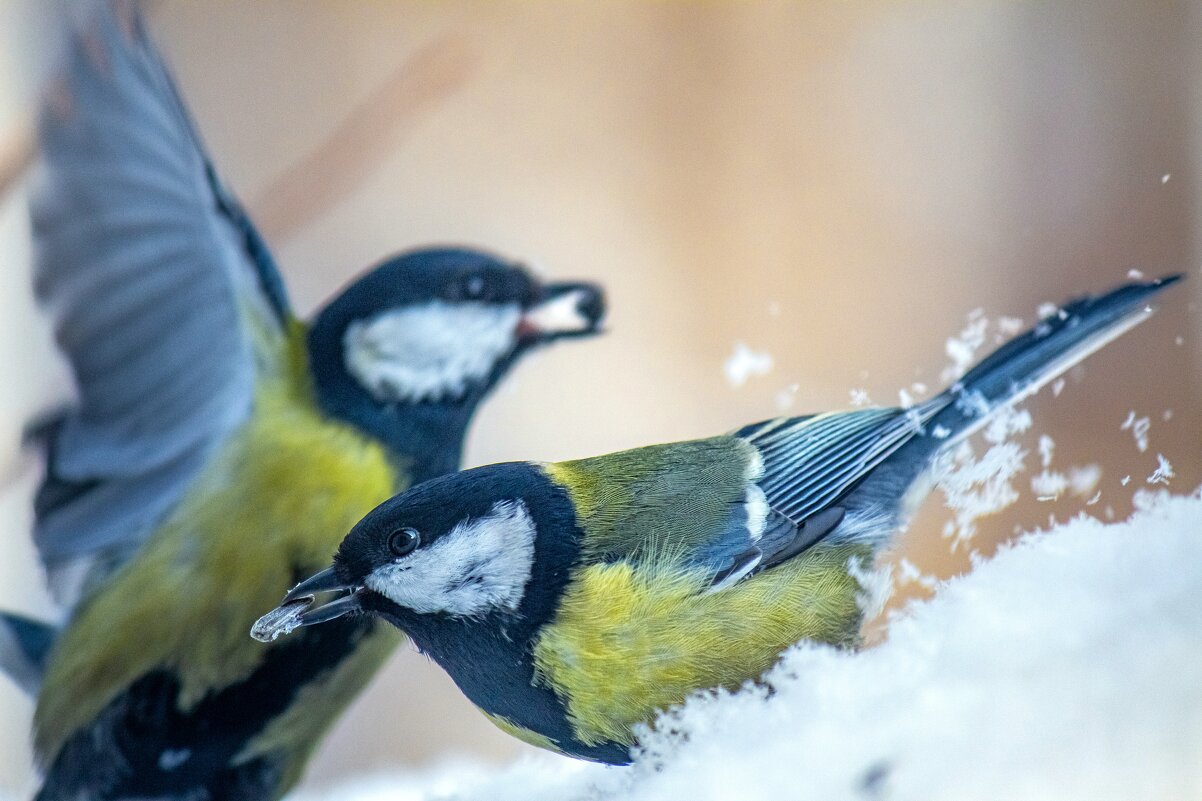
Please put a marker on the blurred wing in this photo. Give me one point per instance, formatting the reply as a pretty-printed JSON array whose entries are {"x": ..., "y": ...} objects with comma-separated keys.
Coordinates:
[{"x": 164, "y": 297}]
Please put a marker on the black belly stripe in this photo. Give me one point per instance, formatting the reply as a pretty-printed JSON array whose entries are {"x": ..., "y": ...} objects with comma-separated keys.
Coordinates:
[{"x": 121, "y": 754}]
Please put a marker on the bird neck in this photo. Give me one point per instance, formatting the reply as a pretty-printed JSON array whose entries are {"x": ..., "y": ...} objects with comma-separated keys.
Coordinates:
[{"x": 425, "y": 440}]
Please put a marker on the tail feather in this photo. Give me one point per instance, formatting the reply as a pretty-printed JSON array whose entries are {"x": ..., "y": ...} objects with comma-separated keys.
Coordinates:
[
  {"x": 1012, "y": 372},
  {"x": 24, "y": 645},
  {"x": 1026, "y": 363}
]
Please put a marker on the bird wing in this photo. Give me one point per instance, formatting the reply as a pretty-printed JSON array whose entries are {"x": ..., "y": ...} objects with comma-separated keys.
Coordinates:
[
  {"x": 660, "y": 499},
  {"x": 810, "y": 463},
  {"x": 163, "y": 296},
  {"x": 734, "y": 505},
  {"x": 687, "y": 506}
]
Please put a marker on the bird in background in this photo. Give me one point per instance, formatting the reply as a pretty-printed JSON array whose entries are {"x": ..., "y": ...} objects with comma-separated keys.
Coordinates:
[
  {"x": 571, "y": 601},
  {"x": 219, "y": 446}
]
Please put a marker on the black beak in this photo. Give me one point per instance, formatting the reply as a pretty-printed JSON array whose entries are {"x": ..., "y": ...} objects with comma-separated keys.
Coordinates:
[
  {"x": 325, "y": 581},
  {"x": 297, "y": 608},
  {"x": 564, "y": 310}
]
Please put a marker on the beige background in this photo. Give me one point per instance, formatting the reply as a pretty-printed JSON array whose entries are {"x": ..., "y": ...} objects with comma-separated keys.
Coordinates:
[{"x": 838, "y": 186}]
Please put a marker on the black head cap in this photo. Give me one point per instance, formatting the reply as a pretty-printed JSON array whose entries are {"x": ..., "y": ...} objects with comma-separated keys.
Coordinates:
[{"x": 407, "y": 351}]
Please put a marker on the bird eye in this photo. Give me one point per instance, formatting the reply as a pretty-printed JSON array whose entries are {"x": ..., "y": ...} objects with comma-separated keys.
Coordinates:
[
  {"x": 402, "y": 541},
  {"x": 474, "y": 287}
]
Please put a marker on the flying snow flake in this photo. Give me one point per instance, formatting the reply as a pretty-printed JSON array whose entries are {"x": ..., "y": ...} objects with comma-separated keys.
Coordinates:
[
  {"x": 904, "y": 399},
  {"x": 962, "y": 348},
  {"x": 787, "y": 397},
  {"x": 975, "y": 488},
  {"x": 1135, "y": 275},
  {"x": 1164, "y": 471},
  {"x": 1047, "y": 310},
  {"x": 1009, "y": 326},
  {"x": 859, "y": 397},
  {"x": 1125, "y": 480},
  {"x": 1046, "y": 447},
  {"x": 1084, "y": 479},
  {"x": 1057, "y": 387},
  {"x": 1006, "y": 423},
  {"x": 1049, "y": 485},
  {"x": 745, "y": 363},
  {"x": 1138, "y": 428},
  {"x": 1164, "y": 179}
]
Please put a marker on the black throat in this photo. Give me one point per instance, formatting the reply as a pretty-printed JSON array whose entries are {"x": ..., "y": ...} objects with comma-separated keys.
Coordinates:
[
  {"x": 491, "y": 658},
  {"x": 425, "y": 439}
]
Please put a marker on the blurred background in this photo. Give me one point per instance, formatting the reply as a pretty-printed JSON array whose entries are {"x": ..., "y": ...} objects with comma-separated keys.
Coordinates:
[{"x": 837, "y": 186}]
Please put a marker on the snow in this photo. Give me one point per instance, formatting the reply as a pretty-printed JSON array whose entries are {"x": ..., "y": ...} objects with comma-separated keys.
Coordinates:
[
  {"x": 1047, "y": 447},
  {"x": 1049, "y": 484},
  {"x": 1163, "y": 472},
  {"x": 974, "y": 488},
  {"x": 1084, "y": 480},
  {"x": 1046, "y": 310},
  {"x": 961, "y": 349},
  {"x": 1009, "y": 326},
  {"x": 787, "y": 397},
  {"x": 745, "y": 363},
  {"x": 1068, "y": 666},
  {"x": 1138, "y": 428}
]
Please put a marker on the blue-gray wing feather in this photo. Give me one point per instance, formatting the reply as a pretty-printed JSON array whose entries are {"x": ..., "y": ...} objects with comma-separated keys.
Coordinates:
[
  {"x": 812, "y": 462},
  {"x": 161, "y": 291}
]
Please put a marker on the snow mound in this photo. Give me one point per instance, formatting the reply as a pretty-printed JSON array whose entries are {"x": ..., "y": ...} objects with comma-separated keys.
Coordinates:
[{"x": 1069, "y": 666}]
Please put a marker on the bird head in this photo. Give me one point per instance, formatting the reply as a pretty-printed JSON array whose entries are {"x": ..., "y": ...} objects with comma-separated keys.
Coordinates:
[
  {"x": 464, "y": 545},
  {"x": 409, "y": 349}
]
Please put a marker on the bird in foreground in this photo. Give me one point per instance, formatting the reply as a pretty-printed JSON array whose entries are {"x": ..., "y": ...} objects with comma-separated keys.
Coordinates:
[
  {"x": 571, "y": 601},
  {"x": 220, "y": 446}
]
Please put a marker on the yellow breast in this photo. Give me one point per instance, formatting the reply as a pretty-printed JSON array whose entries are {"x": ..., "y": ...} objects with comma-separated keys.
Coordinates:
[
  {"x": 627, "y": 641},
  {"x": 272, "y": 506}
]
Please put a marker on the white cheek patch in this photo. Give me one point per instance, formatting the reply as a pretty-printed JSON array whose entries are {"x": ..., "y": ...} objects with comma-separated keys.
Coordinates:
[
  {"x": 429, "y": 352},
  {"x": 482, "y": 565}
]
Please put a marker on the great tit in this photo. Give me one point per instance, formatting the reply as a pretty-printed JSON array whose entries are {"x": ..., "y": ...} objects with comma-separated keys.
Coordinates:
[
  {"x": 570, "y": 601},
  {"x": 220, "y": 446}
]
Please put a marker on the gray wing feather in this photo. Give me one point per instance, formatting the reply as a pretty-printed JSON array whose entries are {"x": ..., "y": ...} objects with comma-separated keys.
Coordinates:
[
  {"x": 811, "y": 462},
  {"x": 163, "y": 296}
]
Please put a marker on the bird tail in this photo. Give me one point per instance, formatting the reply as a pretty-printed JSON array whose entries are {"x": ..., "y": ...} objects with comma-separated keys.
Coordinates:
[
  {"x": 1026, "y": 363},
  {"x": 24, "y": 645},
  {"x": 1013, "y": 372}
]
